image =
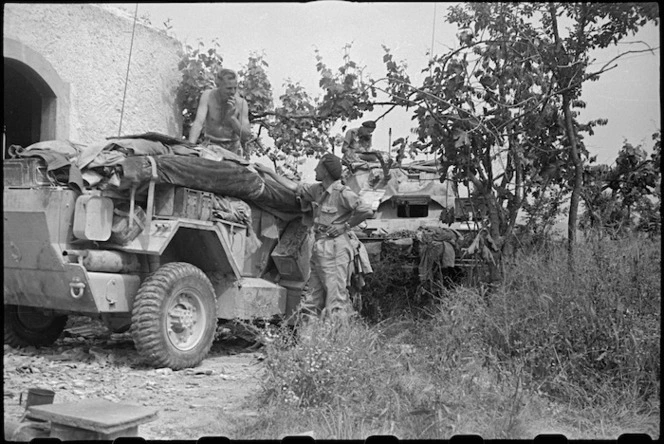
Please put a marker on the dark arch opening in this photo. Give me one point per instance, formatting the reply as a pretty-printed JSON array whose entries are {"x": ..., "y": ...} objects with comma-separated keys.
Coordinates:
[{"x": 29, "y": 106}]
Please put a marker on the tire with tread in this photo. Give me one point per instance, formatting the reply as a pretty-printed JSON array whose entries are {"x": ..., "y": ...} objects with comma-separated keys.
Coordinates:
[
  {"x": 27, "y": 326},
  {"x": 174, "y": 316}
]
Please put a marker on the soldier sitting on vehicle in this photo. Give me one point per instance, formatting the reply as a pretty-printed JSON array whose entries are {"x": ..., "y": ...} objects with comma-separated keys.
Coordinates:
[
  {"x": 224, "y": 115},
  {"x": 357, "y": 142}
]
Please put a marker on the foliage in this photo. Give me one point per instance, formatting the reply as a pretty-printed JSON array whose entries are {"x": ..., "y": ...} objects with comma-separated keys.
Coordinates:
[
  {"x": 255, "y": 86},
  {"x": 314, "y": 372},
  {"x": 626, "y": 196},
  {"x": 198, "y": 68},
  {"x": 300, "y": 124},
  {"x": 498, "y": 109},
  {"x": 347, "y": 94},
  {"x": 392, "y": 287},
  {"x": 294, "y": 128},
  {"x": 589, "y": 336},
  {"x": 349, "y": 381},
  {"x": 542, "y": 214},
  {"x": 478, "y": 361}
]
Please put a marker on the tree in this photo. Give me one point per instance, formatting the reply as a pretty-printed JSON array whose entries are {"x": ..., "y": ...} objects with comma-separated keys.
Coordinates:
[
  {"x": 594, "y": 25},
  {"x": 500, "y": 109},
  {"x": 488, "y": 110},
  {"x": 625, "y": 197}
]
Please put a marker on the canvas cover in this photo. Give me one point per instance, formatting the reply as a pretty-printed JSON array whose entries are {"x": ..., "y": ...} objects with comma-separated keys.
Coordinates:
[
  {"x": 416, "y": 179},
  {"x": 122, "y": 162}
]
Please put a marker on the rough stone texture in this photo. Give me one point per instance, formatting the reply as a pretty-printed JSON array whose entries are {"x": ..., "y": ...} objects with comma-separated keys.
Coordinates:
[{"x": 88, "y": 46}]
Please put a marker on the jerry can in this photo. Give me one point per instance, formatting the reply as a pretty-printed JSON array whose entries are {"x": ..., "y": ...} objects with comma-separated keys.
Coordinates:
[{"x": 93, "y": 217}]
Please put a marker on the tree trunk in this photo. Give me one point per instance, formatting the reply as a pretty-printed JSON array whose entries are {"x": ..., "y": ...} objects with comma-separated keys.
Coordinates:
[{"x": 576, "y": 185}]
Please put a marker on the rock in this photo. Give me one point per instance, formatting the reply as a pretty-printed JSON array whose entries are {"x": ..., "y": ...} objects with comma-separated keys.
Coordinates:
[
  {"x": 307, "y": 433},
  {"x": 112, "y": 398}
]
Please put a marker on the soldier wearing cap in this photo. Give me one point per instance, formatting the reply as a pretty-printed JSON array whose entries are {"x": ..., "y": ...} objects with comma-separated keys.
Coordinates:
[
  {"x": 336, "y": 209},
  {"x": 358, "y": 141}
]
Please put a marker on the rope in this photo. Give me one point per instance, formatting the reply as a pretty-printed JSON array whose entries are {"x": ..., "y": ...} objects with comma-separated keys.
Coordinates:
[{"x": 131, "y": 47}]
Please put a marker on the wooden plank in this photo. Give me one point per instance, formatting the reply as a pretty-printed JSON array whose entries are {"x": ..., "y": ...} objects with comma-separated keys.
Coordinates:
[{"x": 97, "y": 415}]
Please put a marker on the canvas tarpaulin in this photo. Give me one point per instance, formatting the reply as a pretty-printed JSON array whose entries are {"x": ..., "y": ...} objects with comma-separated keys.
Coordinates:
[
  {"x": 225, "y": 177},
  {"x": 120, "y": 163}
]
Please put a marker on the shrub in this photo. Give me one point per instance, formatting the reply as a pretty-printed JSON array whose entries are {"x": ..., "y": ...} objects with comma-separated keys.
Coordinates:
[
  {"x": 331, "y": 363},
  {"x": 391, "y": 290}
]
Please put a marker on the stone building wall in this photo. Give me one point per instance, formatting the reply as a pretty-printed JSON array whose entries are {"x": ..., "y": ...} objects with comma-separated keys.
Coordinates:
[{"x": 88, "y": 47}]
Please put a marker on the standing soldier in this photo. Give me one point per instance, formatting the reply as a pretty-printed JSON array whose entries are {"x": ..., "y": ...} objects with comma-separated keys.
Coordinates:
[{"x": 336, "y": 209}]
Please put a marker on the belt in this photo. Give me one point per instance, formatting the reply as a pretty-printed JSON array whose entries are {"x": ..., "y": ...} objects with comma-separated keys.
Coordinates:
[{"x": 320, "y": 232}]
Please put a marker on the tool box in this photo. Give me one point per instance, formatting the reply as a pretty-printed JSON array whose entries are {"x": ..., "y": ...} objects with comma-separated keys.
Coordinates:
[
  {"x": 25, "y": 173},
  {"x": 175, "y": 201}
]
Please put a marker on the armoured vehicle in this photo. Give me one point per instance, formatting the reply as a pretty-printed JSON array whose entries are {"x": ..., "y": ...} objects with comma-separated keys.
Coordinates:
[
  {"x": 412, "y": 209},
  {"x": 151, "y": 237}
]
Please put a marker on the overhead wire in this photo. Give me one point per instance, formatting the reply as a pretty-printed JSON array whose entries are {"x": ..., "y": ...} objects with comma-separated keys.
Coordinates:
[{"x": 131, "y": 47}]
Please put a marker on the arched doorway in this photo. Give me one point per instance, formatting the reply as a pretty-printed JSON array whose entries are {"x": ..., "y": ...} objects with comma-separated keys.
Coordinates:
[
  {"x": 27, "y": 102},
  {"x": 35, "y": 100}
]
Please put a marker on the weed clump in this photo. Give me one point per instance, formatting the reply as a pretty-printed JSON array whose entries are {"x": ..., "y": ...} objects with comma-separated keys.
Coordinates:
[{"x": 332, "y": 362}]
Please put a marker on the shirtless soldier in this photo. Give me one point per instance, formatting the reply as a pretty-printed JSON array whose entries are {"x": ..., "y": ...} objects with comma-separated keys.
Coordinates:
[{"x": 224, "y": 115}]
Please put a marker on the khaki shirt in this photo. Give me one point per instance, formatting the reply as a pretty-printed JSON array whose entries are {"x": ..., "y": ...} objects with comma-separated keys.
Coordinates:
[
  {"x": 334, "y": 205},
  {"x": 352, "y": 144}
]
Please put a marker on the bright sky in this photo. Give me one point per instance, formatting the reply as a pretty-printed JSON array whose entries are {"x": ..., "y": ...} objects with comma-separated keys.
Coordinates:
[{"x": 288, "y": 33}]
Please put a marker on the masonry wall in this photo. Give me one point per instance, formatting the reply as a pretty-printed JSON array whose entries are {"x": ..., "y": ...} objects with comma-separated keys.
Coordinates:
[{"x": 88, "y": 46}]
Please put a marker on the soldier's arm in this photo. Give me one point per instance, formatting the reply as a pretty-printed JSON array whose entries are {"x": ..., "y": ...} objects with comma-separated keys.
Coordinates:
[
  {"x": 362, "y": 212},
  {"x": 281, "y": 179},
  {"x": 348, "y": 141},
  {"x": 238, "y": 118},
  {"x": 359, "y": 212},
  {"x": 245, "y": 126},
  {"x": 199, "y": 121}
]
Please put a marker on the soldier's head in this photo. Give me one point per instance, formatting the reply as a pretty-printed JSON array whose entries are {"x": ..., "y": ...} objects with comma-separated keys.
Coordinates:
[
  {"x": 367, "y": 129},
  {"x": 226, "y": 81},
  {"x": 328, "y": 166}
]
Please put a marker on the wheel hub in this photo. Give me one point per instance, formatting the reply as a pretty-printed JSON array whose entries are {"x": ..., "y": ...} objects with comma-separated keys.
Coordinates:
[{"x": 184, "y": 326}]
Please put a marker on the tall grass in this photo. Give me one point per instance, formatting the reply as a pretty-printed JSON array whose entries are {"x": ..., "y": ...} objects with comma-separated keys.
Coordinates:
[
  {"x": 590, "y": 335},
  {"x": 477, "y": 361}
]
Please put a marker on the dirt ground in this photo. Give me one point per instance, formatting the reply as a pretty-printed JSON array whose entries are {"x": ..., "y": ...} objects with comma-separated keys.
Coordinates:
[{"x": 88, "y": 362}]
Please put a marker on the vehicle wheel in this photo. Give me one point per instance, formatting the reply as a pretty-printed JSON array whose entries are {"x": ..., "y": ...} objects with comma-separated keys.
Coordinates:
[
  {"x": 174, "y": 316},
  {"x": 26, "y": 326}
]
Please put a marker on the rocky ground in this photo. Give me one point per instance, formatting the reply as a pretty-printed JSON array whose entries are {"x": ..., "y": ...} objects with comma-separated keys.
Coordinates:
[{"x": 88, "y": 362}]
